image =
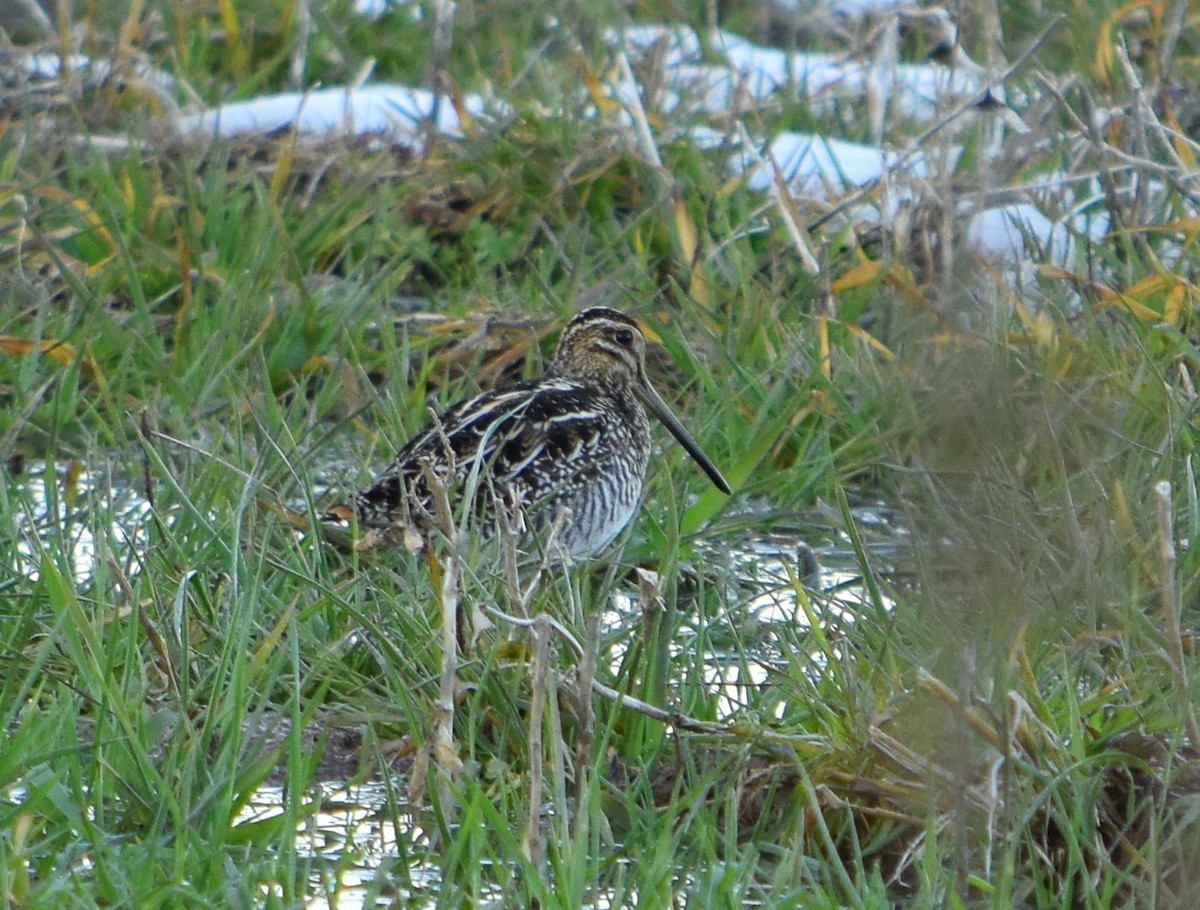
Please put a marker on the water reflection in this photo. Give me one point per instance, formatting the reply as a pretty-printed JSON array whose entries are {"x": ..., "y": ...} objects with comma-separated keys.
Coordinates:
[
  {"x": 361, "y": 842},
  {"x": 773, "y": 588},
  {"x": 67, "y": 512}
]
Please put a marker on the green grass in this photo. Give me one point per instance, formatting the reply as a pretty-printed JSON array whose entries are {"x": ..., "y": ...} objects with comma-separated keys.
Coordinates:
[{"x": 221, "y": 331}]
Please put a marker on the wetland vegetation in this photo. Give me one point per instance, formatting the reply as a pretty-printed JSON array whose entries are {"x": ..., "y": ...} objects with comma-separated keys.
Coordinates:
[{"x": 205, "y": 340}]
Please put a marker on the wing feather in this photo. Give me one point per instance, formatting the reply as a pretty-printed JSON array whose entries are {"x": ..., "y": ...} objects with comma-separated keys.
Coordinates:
[{"x": 526, "y": 439}]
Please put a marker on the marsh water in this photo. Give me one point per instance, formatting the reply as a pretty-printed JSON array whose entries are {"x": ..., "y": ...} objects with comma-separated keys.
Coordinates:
[{"x": 368, "y": 847}]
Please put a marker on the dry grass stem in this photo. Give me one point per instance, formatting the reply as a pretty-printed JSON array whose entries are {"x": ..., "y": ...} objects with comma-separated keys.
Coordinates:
[
  {"x": 443, "y": 750},
  {"x": 531, "y": 840},
  {"x": 587, "y": 713},
  {"x": 645, "y": 137},
  {"x": 801, "y": 241},
  {"x": 1167, "y": 598}
]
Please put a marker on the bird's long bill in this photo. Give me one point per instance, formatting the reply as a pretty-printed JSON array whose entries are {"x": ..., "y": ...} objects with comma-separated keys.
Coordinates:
[{"x": 660, "y": 410}]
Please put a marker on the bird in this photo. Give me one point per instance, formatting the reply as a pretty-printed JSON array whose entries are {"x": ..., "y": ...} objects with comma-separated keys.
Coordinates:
[{"x": 567, "y": 449}]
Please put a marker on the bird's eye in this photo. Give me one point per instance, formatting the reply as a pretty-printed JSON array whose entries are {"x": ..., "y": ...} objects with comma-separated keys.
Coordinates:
[{"x": 623, "y": 337}]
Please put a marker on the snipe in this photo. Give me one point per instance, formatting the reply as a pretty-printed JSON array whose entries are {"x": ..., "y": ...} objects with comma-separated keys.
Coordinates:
[{"x": 575, "y": 440}]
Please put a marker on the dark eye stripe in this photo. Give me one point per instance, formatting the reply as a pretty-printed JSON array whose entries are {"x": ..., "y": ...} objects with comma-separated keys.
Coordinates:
[{"x": 618, "y": 351}]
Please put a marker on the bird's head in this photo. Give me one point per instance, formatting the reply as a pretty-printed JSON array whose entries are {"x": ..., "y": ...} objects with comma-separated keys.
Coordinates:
[{"x": 605, "y": 347}]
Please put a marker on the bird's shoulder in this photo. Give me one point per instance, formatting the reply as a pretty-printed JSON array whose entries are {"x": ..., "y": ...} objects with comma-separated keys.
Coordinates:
[{"x": 513, "y": 417}]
